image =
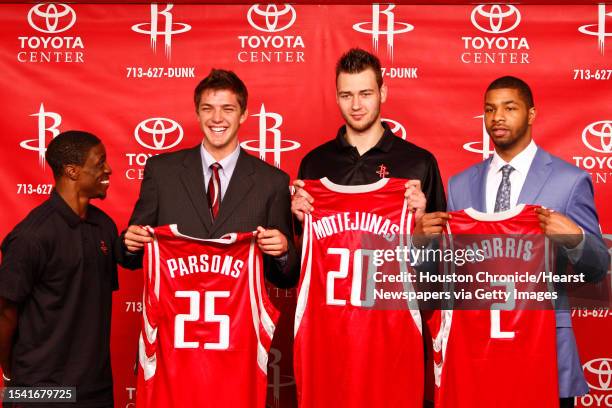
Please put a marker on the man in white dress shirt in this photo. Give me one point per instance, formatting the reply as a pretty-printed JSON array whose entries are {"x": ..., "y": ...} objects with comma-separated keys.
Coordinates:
[{"x": 522, "y": 172}]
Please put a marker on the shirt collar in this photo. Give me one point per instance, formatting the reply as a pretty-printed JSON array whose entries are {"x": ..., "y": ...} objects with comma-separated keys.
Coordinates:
[
  {"x": 228, "y": 163},
  {"x": 71, "y": 218},
  {"x": 384, "y": 144},
  {"x": 521, "y": 162}
]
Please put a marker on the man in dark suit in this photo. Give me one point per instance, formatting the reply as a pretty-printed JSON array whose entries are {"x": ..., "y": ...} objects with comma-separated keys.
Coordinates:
[
  {"x": 216, "y": 187},
  {"x": 530, "y": 175}
]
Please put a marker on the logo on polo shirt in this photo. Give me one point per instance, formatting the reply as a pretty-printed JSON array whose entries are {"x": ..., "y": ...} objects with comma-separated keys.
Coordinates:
[
  {"x": 51, "y": 45},
  {"x": 382, "y": 171},
  {"x": 48, "y": 125},
  {"x": 167, "y": 30},
  {"x": 597, "y": 137},
  {"x": 103, "y": 247},
  {"x": 279, "y": 145},
  {"x": 493, "y": 47}
]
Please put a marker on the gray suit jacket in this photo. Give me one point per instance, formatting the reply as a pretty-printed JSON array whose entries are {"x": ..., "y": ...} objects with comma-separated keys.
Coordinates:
[
  {"x": 557, "y": 185},
  {"x": 173, "y": 192}
]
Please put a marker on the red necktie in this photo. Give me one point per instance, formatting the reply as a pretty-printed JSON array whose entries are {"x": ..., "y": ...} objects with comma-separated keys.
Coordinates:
[{"x": 214, "y": 190}]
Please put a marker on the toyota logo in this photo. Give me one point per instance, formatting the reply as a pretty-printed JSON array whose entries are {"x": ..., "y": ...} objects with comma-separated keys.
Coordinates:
[
  {"x": 51, "y": 18},
  {"x": 159, "y": 133},
  {"x": 272, "y": 14},
  {"x": 599, "y": 369},
  {"x": 396, "y": 127},
  {"x": 495, "y": 18},
  {"x": 598, "y": 136}
]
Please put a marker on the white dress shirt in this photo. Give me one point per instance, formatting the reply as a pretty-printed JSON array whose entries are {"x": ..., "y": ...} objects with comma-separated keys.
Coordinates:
[
  {"x": 521, "y": 163},
  {"x": 228, "y": 164}
]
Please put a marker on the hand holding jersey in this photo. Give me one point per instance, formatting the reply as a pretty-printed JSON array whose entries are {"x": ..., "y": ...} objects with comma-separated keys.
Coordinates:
[
  {"x": 205, "y": 189},
  {"x": 488, "y": 351},
  {"x": 349, "y": 352},
  {"x": 559, "y": 228},
  {"x": 346, "y": 353},
  {"x": 536, "y": 177},
  {"x": 270, "y": 241},
  {"x": 207, "y": 322},
  {"x": 302, "y": 201},
  {"x": 555, "y": 225}
]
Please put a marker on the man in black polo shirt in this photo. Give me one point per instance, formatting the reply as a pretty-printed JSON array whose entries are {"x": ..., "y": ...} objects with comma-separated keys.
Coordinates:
[
  {"x": 365, "y": 150},
  {"x": 56, "y": 280}
]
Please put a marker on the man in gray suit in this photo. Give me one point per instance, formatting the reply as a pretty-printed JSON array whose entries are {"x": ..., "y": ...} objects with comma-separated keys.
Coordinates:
[
  {"x": 216, "y": 187},
  {"x": 533, "y": 176}
]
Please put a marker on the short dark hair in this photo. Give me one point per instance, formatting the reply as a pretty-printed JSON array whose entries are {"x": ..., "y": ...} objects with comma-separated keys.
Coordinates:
[
  {"x": 357, "y": 60},
  {"x": 514, "y": 83},
  {"x": 219, "y": 79},
  {"x": 70, "y": 147}
]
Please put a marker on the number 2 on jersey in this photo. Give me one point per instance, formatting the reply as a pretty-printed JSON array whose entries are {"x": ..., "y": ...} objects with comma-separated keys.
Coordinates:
[
  {"x": 496, "y": 331},
  {"x": 194, "y": 316}
]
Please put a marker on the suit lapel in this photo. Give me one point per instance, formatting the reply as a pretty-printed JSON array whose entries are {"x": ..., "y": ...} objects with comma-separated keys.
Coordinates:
[
  {"x": 479, "y": 182},
  {"x": 239, "y": 186},
  {"x": 537, "y": 176},
  {"x": 192, "y": 178}
]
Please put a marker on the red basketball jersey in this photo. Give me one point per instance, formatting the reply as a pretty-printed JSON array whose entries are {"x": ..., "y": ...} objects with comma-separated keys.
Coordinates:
[
  {"x": 348, "y": 351},
  {"x": 207, "y": 322},
  {"x": 504, "y": 355}
]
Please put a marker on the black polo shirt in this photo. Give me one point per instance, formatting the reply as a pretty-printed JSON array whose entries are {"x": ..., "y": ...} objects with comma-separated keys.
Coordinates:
[
  {"x": 391, "y": 157},
  {"x": 60, "y": 271}
]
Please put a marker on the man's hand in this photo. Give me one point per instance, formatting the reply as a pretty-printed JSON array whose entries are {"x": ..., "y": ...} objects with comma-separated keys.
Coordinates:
[
  {"x": 271, "y": 242},
  {"x": 416, "y": 198},
  {"x": 136, "y": 237},
  {"x": 429, "y": 226},
  {"x": 559, "y": 228},
  {"x": 301, "y": 201}
]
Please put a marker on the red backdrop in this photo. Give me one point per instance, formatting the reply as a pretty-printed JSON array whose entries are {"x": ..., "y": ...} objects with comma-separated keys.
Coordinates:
[{"x": 127, "y": 73}]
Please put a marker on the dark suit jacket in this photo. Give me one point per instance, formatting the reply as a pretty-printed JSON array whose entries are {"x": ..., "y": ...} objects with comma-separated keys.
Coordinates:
[{"x": 173, "y": 192}]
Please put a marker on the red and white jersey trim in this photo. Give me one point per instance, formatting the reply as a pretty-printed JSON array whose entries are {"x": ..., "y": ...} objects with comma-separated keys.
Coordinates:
[
  {"x": 147, "y": 354},
  {"x": 440, "y": 342},
  {"x": 404, "y": 240},
  {"x": 356, "y": 189}
]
